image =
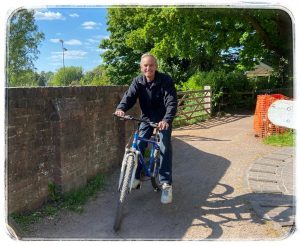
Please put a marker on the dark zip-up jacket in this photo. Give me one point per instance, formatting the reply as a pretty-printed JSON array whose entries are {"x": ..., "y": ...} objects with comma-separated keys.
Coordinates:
[{"x": 158, "y": 101}]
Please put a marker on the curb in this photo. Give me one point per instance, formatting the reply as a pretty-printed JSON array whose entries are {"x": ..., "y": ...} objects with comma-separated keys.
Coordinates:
[{"x": 271, "y": 179}]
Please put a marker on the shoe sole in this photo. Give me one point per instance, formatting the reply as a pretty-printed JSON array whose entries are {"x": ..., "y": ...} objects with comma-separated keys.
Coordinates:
[{"x": 166, "y": 202}]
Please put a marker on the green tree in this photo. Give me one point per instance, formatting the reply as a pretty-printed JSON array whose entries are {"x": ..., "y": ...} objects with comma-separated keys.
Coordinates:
[
  {"x": 23, "y": 39},
  {"x": 121, "y": 60},
  {"x": 67, "y": 76},
  {"x": 42, "y": 80},
  {"x": 49, "y": 76},
  {"x": 187, "y": 40},
  {"x": 95, "y": 77}
]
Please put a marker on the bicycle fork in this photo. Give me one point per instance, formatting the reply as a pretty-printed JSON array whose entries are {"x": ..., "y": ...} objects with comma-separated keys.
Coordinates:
[
  {"x": 155, "y": 163},
  {"x": 135, "y": 153}
]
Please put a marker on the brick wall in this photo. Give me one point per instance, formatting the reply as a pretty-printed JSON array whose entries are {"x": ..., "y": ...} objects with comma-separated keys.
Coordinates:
[{"x": 60, "y": 135}]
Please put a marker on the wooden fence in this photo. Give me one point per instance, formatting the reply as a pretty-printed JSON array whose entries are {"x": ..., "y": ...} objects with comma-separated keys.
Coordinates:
[
  {"x": 247, "y": 99},
  {"x": 193, "y": 105}
]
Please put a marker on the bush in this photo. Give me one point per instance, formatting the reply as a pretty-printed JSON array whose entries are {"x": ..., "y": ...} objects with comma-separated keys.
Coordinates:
[
  {"x": 217, "y": 80},
  {"x": 220, "y": 82},
  {"x": 65, "y": 76}
]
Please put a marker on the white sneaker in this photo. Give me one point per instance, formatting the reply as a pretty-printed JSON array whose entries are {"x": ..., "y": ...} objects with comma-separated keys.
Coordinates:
[
  {"x": 166, "y": 193},
  {"x": 136, "y": 184}
]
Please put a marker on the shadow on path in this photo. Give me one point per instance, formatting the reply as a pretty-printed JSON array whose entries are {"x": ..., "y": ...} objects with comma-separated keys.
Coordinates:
[
  {"x": 215, "y": 121},
  {"x": 195, "y": 174},
  {"x": 202, "y": 206},
  {"x": 221, "y": 209}
]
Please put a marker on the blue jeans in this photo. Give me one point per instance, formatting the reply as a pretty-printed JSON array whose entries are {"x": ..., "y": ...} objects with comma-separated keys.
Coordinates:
[{"x": 165, "y": 170}]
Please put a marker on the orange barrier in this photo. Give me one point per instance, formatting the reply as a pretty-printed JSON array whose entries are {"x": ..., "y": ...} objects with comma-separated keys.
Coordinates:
[{"x": 263, "y": 127}]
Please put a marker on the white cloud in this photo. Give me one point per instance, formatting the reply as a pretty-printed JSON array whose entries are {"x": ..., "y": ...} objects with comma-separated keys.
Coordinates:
[
  {"x": 68, "y": 42},
  {"x": 75, "y": 54},
  {"x": 74, "y": 15},
  {"x": 95, "y": 40},
  {"x": 54, "y": 40},
  {"x": 56, "y": 56},
  {"x": 92, "y": 41},
  {"x": 90, "y": 25},
  {"x": 102, "y": 37},
  {"x": 73, "y": 42},
  {"x": 101, "y": 50},
  {"x": 48, "y": 15}
]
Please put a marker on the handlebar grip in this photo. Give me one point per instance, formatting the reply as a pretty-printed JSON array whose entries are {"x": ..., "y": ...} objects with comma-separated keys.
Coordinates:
[
  {"x": 129, "y": 117},
  {"x": 155, "y": 125},
  {"x": 125, "y": 117}
]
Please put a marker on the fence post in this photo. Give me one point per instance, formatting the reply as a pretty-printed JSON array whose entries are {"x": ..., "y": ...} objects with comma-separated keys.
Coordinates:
[{"x": 207, "y": 99}]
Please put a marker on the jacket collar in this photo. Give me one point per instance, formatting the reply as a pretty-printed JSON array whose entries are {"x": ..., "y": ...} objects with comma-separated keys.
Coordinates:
[{"x": 157, "y": 79}]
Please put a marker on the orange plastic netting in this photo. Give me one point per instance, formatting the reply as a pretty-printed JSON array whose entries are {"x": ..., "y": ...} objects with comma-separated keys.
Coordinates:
[{"x": 262, "y": 125}]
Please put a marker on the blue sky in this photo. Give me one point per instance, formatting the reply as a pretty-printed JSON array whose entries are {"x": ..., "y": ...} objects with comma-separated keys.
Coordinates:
[{"x": 81, "y": 30}]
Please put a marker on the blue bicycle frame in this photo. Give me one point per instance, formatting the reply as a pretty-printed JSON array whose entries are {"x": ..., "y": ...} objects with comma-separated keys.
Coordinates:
[
  {"x": 154, "y": 146},
  {"x": 149, "y": 169}
]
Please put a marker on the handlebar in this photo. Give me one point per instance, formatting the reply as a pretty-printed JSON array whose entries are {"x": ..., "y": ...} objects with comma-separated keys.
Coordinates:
[{"x": 129, "y": 117}]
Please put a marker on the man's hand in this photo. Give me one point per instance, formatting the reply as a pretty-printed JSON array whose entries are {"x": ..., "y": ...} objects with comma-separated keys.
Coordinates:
[
  {"x": 119, "y": 112},
  {"x": 163, "y": 125}
]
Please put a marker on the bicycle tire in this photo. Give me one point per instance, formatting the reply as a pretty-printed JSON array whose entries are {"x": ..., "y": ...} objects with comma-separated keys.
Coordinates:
[
  {"x": 124, "y": 190},
  {"x": 154, "y": 175}
]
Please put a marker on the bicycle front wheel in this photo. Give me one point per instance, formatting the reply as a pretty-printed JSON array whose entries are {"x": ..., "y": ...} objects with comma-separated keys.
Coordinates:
[
  {"x": 124, "y": 190},
  {"x": 154, "y": 174}
]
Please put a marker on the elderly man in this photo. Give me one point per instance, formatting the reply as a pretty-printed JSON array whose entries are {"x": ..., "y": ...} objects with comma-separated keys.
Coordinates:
[{"x": 158, "y": 103}]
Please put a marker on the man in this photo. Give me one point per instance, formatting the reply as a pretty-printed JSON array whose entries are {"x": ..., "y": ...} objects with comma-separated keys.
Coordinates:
[{"x": 158, "y": 102}]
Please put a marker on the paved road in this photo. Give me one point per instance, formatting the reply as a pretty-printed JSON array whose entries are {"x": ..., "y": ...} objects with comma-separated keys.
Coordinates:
[
  {"x": 212, "y": 195},
  {"x": 271, "y": 177}
]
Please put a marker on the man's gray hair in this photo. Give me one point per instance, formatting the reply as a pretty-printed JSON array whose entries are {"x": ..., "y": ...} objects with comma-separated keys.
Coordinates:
[{"x": 148, "y": 54}]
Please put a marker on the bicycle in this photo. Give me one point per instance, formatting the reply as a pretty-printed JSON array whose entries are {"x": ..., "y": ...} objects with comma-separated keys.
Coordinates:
[{"x": 132, "y": 158}]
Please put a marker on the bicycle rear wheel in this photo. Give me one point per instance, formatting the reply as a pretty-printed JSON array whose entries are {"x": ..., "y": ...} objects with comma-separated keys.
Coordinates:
[
  {"x": 154, "y": 174},
  {"x": 124, "y": 190}
]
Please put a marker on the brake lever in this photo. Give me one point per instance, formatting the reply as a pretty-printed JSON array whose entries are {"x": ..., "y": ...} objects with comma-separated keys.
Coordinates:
[
  {"x": 127, "y": 117},
  {"x": 155, "y": 125}
]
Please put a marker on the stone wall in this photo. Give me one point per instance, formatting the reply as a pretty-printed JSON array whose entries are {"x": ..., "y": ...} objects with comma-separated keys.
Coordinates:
[{"x": 60, "y": 135}]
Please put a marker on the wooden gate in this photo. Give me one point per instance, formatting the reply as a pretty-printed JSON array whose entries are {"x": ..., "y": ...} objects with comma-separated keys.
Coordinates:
[{"x": 193, "y": 104}]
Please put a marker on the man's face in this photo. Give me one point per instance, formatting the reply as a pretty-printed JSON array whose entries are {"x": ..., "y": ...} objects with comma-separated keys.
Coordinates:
[{"x": 148, "y": 67}]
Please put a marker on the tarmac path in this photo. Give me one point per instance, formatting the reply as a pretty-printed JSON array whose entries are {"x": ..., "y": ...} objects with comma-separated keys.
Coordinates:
[{"x": 211, "y": 194}]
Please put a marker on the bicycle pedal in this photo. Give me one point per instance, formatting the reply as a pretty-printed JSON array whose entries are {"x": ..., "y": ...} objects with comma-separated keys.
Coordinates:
[{"x": 138, "y": 187}]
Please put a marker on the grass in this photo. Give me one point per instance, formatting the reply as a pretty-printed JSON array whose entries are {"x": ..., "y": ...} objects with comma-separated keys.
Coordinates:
[
  {"x": 73, "y": 201},
  {"x": 284, "y": 139}
]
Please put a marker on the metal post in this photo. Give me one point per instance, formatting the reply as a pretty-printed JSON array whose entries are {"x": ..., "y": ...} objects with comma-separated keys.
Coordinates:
[
  {"x": 207, "y": 99},
  {"x": 63, "y": 53}
]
